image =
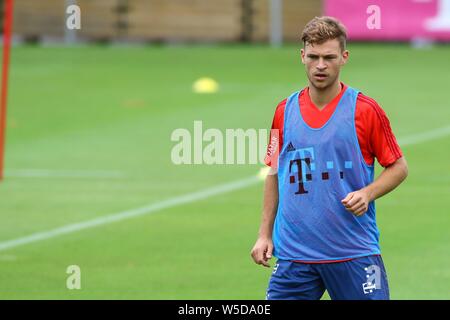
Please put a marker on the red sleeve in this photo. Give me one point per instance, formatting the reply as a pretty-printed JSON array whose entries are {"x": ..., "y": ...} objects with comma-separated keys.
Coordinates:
[
  {"x": 374, "y": 131},
  {"x": 276, "y": 136}
]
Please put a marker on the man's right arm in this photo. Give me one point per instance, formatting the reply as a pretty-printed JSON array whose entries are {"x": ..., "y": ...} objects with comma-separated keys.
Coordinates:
[{"x": 262, "y": 250}]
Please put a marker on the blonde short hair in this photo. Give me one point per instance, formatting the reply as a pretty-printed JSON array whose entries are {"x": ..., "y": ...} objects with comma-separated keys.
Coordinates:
[{"x": 321, "y": 29}]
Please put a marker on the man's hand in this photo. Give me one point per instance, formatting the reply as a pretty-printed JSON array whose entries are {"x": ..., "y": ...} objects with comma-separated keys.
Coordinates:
[
  {"x": 357, "y": 202},
  {"x": 262, "y": 251}
]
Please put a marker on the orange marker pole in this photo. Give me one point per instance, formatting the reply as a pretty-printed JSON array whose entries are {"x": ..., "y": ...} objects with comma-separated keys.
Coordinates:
[{"x": 7, "y": 28}]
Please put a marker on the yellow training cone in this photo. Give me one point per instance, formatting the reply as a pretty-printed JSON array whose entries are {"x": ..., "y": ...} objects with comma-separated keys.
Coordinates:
[{"x": 205, "y": 85}]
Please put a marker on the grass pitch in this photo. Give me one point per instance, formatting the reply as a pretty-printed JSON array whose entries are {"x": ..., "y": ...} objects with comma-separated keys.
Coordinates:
[{"x": 98, "y": 121}]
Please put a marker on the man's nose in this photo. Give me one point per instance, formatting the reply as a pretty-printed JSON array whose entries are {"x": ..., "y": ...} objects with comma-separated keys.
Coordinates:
[{"x": 321, "y": 65}]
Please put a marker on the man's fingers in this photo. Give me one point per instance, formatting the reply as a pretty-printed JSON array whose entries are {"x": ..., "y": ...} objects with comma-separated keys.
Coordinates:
[
  {"x": 363, "y": 208},
  {"x": 257, "y": 255},
  {"x": 268, "y": 253},
  {"x": 356, "y": 206},
  {"x": 265, "y": 263},
  {"x": 359, "y": 210},
  {"x": 262, "y": 252},
  {"x": 355, "y": 200},
  {"x": 262, "y": 261},
  {"x": 347, "y": 198}
]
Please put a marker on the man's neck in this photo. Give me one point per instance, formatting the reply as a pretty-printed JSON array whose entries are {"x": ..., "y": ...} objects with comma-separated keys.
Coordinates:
[{"x": 321, "y": 97}]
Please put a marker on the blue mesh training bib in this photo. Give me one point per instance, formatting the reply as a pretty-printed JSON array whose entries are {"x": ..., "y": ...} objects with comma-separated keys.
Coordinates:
[{"x": 317, "y": 168}]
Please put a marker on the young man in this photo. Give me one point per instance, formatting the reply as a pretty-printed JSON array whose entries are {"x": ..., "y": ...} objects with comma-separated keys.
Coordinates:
[{"x": 319, "y": 212}]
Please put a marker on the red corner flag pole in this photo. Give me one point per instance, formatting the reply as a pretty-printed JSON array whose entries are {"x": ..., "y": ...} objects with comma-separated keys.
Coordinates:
[{"x": 7, "y": 27}]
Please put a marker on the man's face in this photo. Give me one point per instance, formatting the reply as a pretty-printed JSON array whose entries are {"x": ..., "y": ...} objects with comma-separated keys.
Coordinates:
[{"x": 323, "y": 62}]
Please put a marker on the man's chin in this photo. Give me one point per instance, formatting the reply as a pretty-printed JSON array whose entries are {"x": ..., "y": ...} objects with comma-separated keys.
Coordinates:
[{"x": 320, "y": 84}]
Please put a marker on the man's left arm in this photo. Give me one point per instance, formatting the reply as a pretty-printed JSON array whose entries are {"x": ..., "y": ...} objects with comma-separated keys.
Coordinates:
[{"x": 357, "y": 202}]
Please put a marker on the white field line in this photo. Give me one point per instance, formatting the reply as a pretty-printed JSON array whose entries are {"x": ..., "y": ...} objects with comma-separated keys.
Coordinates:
[
  {"x": 150, "y": 208},
  {"x": 424, "y": 136},
  {"x": 191, "y": 197},
  {"x": 44, "y": 173}
]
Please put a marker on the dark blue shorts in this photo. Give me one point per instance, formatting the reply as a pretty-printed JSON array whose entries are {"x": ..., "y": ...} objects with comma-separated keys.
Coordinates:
[{"x": 358, "y": 279}]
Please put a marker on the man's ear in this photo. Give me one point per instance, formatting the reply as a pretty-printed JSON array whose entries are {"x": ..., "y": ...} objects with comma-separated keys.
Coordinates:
[
  {"x": 345, "y": 55},
  {"x": 302, "y": 54}
]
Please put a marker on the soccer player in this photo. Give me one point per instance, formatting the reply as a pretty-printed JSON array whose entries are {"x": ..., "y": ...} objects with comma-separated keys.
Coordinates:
[{"x": 318, "y": 215}]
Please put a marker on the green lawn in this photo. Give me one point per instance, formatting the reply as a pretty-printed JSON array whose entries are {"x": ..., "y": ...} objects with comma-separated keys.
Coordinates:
[{"x": 112, "y": 110}]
